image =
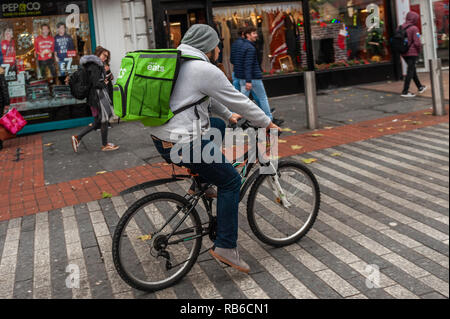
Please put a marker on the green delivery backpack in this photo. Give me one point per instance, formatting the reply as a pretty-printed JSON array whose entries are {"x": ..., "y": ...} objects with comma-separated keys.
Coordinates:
[{"x": 144, "y": 86}]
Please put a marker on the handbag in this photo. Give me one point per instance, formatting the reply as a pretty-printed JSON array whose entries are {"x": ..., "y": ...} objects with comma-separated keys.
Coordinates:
[{"x": 12, "y": 121}]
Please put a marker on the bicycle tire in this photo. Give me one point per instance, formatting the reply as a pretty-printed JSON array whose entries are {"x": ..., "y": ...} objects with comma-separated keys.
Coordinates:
[
  {"x": 123, "y": 222},
  {"x": 251, "y": 206}
]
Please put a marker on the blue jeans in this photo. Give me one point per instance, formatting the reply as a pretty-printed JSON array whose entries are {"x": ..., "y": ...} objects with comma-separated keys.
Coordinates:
[
  {"x": 259, "y": 92},
  {"x": 228, "y": 182},
  {"x": 237, "y": 86}
]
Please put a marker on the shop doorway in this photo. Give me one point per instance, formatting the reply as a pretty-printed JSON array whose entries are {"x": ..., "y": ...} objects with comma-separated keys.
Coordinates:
[{"x": 179, "y": 21}]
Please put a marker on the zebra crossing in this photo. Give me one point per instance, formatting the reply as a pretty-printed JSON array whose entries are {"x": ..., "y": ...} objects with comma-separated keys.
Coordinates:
[{"x": 382, "y": 232}]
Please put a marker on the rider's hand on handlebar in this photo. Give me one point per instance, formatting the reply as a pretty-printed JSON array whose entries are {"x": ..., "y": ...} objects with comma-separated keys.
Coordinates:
[
  {"x": 273, "y": 126},
  {"x": 234, "y": 118}
]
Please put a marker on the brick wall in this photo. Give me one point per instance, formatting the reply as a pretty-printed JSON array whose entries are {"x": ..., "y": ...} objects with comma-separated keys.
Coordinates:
[{"x": 318, "y": 33}]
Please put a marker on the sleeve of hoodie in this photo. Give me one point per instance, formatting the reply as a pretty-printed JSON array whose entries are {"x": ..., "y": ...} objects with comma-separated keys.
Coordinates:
[
  {"x": 224, "y": 96},
  {"x": 416, "y": 39}
]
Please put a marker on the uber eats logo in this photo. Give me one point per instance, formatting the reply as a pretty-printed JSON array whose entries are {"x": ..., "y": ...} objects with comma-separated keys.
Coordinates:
[
  {"x": 122, "y": 73},
  {"x": 153, "y": 66}
]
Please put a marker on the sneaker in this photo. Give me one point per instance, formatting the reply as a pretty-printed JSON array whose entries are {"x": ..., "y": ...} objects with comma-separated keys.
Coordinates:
[
  {"x": 409, "y": 94},
  {"x": 109, "y": 147},
  {"x": 423, "y": 89},
  {"x": 75, "y": 143},
  {"x": 210, "y": 192},
  {"x": 230, "y": 257}
]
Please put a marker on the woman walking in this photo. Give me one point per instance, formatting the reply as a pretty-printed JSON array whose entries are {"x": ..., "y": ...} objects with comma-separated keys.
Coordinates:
[
  {"x": 412, "y": 55},
  {"x": 99, "y": 98}
]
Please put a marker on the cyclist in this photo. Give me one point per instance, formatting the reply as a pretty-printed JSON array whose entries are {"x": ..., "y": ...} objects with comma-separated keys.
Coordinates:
[{"x": 197, "y": 79}]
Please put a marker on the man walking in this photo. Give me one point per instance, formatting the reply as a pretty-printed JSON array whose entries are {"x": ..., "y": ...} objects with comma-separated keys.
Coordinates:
[
  {"x": 412, "y": 54},
  {"x": 248, "y": 70}
]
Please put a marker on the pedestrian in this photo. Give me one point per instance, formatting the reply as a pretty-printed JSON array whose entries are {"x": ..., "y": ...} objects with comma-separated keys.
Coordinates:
[
  {"x": 4, "y": 97},
  {"x": 99, "y": 98},
  {"x": 249, "y": 72},
  {"x": 412, "y": 54}
]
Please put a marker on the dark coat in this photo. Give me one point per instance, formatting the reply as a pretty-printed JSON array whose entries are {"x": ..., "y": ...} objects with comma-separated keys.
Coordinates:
[
  {"x": 4, "y": 94},
  {"x": 96, "y": 72},
  {"x": 246, "y": 62},
  {"x": 413, "y": 34}
]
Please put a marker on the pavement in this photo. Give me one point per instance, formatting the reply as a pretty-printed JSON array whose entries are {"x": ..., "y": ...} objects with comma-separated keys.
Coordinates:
[{"x": 384, "y": 206}]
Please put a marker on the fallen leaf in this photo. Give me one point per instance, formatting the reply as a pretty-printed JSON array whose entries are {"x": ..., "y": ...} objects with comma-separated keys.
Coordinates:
[
  {"x": 396, "y": 120},
  {"x": 316, "y": 135},
  {"x": 350, "y": 120},
  {"x": 328, "y": 127},
  {"x": 381, "y": 130},
  {"x": 106, "y": 195},
  {"x": 145, "y": 237},
  {"x": 293, "y": 132},
  {"x": 404, "y": 126},
  {"x": 388, "y": 94},
  {"x": 407, "y": 120},
  {"x": 296, "y": 147},
  {"x": 48, "y": 144},
  {"x": 287, "y": 129},
  {"x": 309, "y": 160},
  {"x": 337, "y": 100},
  {"x": 390, "y": 128},
  {"x": 428, "y": 113},
  {"x": 336, "y": 154},
  {"x": 74, "y": 188},
  {"x": 282, "y": 141},
  {"x": 417, "y": 123},
  {"x": 101, "y": 172}
]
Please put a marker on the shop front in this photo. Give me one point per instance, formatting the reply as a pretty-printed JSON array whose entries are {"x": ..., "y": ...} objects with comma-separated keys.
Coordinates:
[
  {"x": 41, "y": 44},
  {"x": 349, "y": 38}
]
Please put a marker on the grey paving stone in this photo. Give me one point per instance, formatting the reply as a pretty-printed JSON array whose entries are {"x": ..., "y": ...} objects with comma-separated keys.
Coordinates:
[
  {"x": 433, "y": 295},
  {"x": 271, "y": 287},
  {"x": 58, "y": 256},
  {"x": 25, "y": 255},
  {"x": 307, "y": 277},
  {"x": 412, "y": 284},
  {"x": 92, "y": 255},
  {"x": 28, "y": 223},
  {"x": 23, "y": 289},
  {"x": 433, "y": 268}
]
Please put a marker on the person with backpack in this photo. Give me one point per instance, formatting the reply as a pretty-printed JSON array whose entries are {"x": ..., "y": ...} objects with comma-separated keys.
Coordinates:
[
  {"x": 98, "y": 96},
  {"x": 4, "y": 97},
  {"x": 199, "y": 78},
  {"x": 410, "y": 51}
]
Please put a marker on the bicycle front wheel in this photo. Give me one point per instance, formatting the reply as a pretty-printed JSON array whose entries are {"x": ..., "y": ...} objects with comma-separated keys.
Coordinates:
[
  {"x": 281, "y": 210},
  {"x": 157, "y": 241}
]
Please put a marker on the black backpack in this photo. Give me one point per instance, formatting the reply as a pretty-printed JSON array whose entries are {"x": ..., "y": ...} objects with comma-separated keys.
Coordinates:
[
  {"x": 399, "y": 41},
  {"x": 79, "y": 84}
]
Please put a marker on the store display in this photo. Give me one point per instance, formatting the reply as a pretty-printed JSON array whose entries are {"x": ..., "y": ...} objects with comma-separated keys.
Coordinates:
[{"x": 39, "y": 51}]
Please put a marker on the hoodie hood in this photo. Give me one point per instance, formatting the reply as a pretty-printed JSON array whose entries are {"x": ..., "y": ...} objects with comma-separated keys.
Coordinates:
[
  {"x": 85, "y": 59},
  {"x": 189, "y": 50},
  {"x": 412, "y": 18}
]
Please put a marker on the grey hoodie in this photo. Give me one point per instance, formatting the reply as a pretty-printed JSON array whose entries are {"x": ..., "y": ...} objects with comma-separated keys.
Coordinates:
[{"x": 196, "y": 80}]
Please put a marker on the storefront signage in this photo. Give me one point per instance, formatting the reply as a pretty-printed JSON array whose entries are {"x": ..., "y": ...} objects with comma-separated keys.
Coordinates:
[
  {"x": 373, "y": 19},
  {"x": 14, "y": 9},
  {"x": 18, "y": 9}
]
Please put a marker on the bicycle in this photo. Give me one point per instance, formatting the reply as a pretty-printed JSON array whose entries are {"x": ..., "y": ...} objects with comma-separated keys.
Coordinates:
[{"x": 158, "y": 239}]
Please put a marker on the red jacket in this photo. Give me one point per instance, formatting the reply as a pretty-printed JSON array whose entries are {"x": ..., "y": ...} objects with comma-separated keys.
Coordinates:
[{"x": 413, "y": 34}]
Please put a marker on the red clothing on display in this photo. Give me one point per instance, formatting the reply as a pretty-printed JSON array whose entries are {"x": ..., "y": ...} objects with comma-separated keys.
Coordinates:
[
  {"x": 44, "y": 47},
  {"x": 9, "y": 52}
]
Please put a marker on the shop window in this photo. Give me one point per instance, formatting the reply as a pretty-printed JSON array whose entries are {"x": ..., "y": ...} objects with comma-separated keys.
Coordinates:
[
  {"x": 357, "y": 29},
  {"x": 41, "y": 44},
  {"x": 278, "y": 25}
]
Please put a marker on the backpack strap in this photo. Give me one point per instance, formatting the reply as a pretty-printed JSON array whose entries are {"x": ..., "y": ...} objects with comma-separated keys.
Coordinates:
[
  {"x": 184, "y": 108},
  {"x": 204, "y": 99}
]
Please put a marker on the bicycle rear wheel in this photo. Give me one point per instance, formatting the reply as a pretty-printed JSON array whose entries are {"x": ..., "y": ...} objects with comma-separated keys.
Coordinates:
[
  {"x": 147, "y": 253},
  {"x": 282, "y": 221}
]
